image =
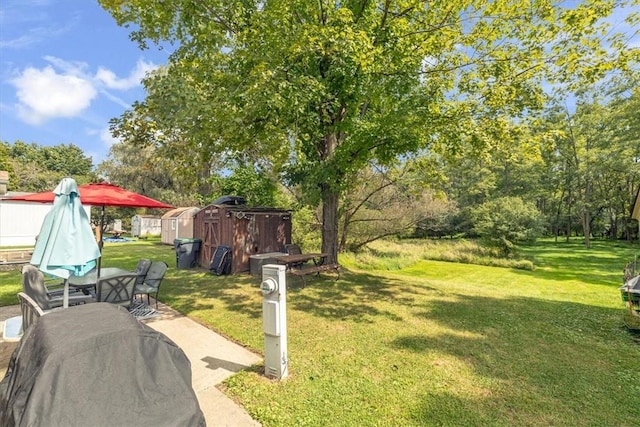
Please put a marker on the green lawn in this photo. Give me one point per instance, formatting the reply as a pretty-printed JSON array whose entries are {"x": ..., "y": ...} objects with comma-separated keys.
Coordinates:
[{"x": 429, "y": 343}]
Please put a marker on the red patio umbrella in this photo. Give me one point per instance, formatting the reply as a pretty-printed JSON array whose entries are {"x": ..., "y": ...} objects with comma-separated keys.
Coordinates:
[{"x": 100, "y": 194}]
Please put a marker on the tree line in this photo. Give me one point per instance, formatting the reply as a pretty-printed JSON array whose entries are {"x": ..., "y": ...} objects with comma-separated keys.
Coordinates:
[
  {"x": 386, "y": 118},
  {"x": 563, "y": 173},
  {"x": 318, "y": 95}
]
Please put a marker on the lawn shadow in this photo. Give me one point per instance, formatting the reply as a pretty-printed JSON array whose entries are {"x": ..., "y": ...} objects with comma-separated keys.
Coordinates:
[
  {"x": 238, "y": 292},
  {"x": 353, "y": 296}
]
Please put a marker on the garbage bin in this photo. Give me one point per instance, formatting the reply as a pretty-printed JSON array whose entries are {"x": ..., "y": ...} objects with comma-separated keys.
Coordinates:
[{"x": 187, "y": 252}]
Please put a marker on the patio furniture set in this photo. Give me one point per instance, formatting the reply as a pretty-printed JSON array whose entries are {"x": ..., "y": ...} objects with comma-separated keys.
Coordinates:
[
  {"x": 53, "y": 369},
  {"x": 113, "y": 285}
]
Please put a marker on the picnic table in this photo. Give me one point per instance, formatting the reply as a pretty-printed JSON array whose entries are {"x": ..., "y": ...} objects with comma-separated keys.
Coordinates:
[{"x": 295, "y": 264}]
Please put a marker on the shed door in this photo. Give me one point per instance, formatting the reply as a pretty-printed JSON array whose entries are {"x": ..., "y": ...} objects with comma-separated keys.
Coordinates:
[
  {"x": 136, "y": 228},
  {"x": 210, "y": 241}
]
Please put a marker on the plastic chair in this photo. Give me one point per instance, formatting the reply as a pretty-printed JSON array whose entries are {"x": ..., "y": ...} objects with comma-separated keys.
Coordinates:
[
  {"x": 153, "y": 280},
  {"x": 33, "y": 285},
  {"x": 117, "y": 289}
]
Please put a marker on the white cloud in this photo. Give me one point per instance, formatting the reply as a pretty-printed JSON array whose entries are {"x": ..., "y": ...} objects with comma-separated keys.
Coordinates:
[
  {"x": 109, "y": 79},
  {"x": 116, "y": 100},
  {"x": 100, "y": 137},
  {"x": 33, "y": 36},
  {"x": 22, "y": 41},
  {"x": 74, "y": 68},
  {"x": 44, "y": 94},
  {"x": 66, "y": 89}
]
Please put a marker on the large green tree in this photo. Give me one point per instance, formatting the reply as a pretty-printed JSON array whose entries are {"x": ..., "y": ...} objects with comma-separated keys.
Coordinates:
[
  {"x": 142, "y": 169},
  {"x": 619, "y": 181},
  {"x": 322, "y": 88},
  {"x": 36, "y": 168},
  {"x": 592, "y": 173}
]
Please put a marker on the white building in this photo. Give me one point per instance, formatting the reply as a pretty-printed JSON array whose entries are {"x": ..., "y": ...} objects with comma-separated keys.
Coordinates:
[
  {"x": 146, "y": 225},
  {"x": 20, "y": 222}
]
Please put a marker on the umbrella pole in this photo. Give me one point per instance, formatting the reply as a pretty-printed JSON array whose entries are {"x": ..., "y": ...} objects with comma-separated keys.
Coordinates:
[
  {"x": 65, "y": 295},
  {"x": 101, "y": 242}
]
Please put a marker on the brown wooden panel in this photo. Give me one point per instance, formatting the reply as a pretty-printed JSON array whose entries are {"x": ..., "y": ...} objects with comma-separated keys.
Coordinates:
[{"x": 248, "y": 231}]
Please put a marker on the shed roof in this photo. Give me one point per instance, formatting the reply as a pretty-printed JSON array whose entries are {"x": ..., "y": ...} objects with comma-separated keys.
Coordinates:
[{"x": 177, "y": 212}]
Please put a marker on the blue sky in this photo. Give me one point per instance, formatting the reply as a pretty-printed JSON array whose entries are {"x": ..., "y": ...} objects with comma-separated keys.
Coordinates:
[{"x": 66, "y": 70}]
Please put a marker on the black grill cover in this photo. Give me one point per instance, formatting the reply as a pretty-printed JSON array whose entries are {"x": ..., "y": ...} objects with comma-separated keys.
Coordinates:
[{"x": 96, "y": 365}]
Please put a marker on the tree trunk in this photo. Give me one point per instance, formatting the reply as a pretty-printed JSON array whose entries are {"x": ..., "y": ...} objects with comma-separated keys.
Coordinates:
[
  {"x": 330, "y": 224},
  {"x": 586, "y": 215},
  {"x": 345, "y": 229},
  {"x": 569, "y": 215},
  {"x": 556, "y": 230},
  {"x": 330, "y": 198},
  {"x": 586, "y": 228}
]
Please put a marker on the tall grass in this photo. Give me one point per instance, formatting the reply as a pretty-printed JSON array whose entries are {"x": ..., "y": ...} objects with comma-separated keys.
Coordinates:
[{"x": 396, "y": 254}]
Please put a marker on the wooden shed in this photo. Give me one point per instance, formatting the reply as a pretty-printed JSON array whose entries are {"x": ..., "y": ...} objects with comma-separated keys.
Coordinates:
[
  {"x": 248, "y": 231},
  {"x": 178, "y": 224},
  {"x": 146, "y": 225}
]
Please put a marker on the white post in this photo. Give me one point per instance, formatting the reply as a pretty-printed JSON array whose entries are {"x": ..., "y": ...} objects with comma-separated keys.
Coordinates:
[
  {"x": 65, "y": 294},
  {"x": 274, "y": 316}
]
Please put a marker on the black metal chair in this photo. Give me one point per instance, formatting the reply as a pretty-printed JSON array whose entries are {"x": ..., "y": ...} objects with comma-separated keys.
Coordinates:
[
  {"x": 153, "y": 280},
  {"x": 31, "y": 311},
  {"x": 34, "y": 286},
  {"x": 293, "y": 249},
  {"x": 141, "y": 270},
  {"x": 117, "y": 289}
]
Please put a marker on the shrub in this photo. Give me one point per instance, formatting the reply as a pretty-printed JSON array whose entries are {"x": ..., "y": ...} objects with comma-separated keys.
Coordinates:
[{"x": 507, "y": 221}]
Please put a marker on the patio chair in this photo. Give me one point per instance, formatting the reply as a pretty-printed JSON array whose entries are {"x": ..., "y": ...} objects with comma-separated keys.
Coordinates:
[
  {"x": 31, "y": 311},
  {"x": 141, "y": 270},
  {"x": 116, "y": 289},
  {"x": 293, "y": 249},
  {"x": 54, "y": 285},
  {"x": 33, "y": 285},
  {"x": 153, "y": 280}
]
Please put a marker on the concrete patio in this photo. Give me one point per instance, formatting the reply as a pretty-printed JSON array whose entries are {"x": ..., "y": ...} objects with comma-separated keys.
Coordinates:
[{"x": 213, "y": 359}]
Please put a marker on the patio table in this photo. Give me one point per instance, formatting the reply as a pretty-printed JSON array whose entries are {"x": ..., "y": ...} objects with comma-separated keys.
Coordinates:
[
  {"x": 292, "y": 260},
  {"x": 90, "y": 279}
]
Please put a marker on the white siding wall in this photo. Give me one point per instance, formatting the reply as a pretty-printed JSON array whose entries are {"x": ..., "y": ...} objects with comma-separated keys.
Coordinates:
[{"x": 20, "y": 222}]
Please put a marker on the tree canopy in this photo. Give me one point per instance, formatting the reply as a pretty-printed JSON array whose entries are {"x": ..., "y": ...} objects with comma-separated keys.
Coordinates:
[
  {"x": 33, "y": 167},
  {"x": 317, "y": 91}
]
